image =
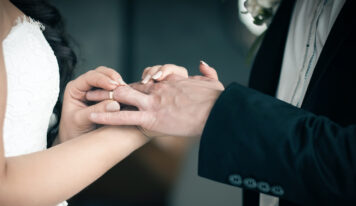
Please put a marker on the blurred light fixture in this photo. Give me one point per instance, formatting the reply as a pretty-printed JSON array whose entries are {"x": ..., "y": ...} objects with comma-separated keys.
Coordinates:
[{"x": 248, "y": 20}]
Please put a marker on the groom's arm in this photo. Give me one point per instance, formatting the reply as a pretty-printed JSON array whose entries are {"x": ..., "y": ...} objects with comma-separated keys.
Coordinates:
[
  {"x": 257, "y": 142},
  {"x": 267, "y": 144}
]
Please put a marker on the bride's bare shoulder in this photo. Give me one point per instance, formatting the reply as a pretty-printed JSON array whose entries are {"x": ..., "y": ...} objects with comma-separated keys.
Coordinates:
[
  {"x": 5, "y": 27},
  {"x": 8, "y": 16},
  {"x": 3, "y": 17},
  {"x": 4, "y": 30},
  {"x": 5, "y": 24}
]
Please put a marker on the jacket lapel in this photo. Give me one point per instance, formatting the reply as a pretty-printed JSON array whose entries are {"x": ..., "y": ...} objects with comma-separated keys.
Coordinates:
[{"x": 267, "y": 65}]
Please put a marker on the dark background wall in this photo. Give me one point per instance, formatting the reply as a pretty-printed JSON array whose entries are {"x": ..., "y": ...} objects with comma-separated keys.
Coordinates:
[{"x": 129, "y": 35}]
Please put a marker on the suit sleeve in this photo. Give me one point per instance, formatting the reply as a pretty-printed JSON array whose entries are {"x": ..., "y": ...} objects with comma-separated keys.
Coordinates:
[{"x": 260, "y": 143}]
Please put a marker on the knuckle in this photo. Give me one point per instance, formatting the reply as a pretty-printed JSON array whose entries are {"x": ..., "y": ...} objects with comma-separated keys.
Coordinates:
[
  {"x": 107, "y": 117},
  {"x": 157, "y": 86},
  {"x": 88, "y": 75},
  {"x": 166, "y": 67},
  {"x": 118, "y": 91},
  {"x": 169, "y": 65},
  {"x": 112, "y": 72},
  {"x": 114, "y": 75},
  {"x": 157, "y": 66},
  {"x": 102, "y": 95},
  {"x": 100, "y": 68},
  {"x": 104, "y": 118},
  {"x": 90, "y": 72},
  {"x": 197, "y": 77},
  {"x": 152, "y": 71},
  {"x": 70, "y": 84},
  {"x": 98, "y": 81},
  {"x": 147, "y": 69}
]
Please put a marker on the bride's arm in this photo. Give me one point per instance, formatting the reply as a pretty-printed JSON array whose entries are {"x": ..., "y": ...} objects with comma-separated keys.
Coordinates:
[{"x": 51, "y": 176}]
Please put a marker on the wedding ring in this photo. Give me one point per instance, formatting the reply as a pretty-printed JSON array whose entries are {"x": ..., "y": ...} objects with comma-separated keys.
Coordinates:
[{"x": 111, "y": 95}]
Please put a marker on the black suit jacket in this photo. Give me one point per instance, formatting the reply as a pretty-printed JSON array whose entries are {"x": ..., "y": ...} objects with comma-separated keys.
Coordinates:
[{"x": 304, "y": 156}]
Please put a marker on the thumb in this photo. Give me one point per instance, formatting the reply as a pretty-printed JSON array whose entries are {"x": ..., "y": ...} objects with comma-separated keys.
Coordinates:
[{"x": 208, "y": 71}]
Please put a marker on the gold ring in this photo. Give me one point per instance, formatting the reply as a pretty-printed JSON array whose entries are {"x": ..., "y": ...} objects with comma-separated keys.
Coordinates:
[{"x": 111, "y": 95}]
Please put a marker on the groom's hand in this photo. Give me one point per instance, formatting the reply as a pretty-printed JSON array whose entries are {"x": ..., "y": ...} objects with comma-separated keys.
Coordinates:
[{"x": 178, "y": 106}]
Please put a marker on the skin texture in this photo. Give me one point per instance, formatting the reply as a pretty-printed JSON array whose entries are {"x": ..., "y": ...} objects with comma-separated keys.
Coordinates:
[
  {"x": 75, "y": 111},
  {"x": 177, "y": 106},
  {"x": 160, "y": 72},
  {"x": 51, "y": 176}
]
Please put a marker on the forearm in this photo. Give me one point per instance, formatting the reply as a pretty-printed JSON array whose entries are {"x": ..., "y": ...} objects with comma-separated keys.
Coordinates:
[{"x": 56, "y": 174}]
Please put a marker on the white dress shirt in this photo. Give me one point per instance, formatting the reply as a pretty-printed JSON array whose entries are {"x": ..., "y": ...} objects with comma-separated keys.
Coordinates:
[{"x": 310, "y": 26}]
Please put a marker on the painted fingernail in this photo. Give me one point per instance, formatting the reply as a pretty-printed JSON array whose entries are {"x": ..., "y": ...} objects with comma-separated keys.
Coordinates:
[
  {"x": 122, "y": 82},
  {"x": 157, "y": 75},
  {"x": 146, "y": 79},
  {"x": 204, "y": 63},
  {"x": 114, "y": 82},
  {"x": 113, "y": 107}
]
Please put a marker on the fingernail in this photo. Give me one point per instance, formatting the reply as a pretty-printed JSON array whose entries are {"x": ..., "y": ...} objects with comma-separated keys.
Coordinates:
[
  {"x": 114, "y": 82},
  {"x": 204, "y": 63},
  {"x": 113, "y": 107},
  {"x": 122, "y": 82},
  {"x": 146, "y": 79},
  {"x": 157, "y": 75},
  {"x": 93, "y": 115}
]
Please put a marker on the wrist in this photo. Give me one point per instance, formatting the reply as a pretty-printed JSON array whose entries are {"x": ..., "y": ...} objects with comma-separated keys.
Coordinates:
[
  {"x": 207, "y": 112},
  {"x": 63, "y": 134},
  {"x": 129, "y": 136}
]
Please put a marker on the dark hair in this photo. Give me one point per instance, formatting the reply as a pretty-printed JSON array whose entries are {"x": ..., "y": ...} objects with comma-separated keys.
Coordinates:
[{"x": 49, "y": 16}]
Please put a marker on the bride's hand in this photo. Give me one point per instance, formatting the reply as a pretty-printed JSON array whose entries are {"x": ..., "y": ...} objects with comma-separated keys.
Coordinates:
[{"x": 75, "y": 111}]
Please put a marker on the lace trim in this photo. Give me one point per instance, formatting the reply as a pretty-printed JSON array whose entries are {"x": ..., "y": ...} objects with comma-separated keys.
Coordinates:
[{"x": 26, "y": 21}]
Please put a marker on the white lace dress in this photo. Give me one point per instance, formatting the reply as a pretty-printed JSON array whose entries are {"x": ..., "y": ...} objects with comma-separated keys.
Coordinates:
[{"x": 32, "y": 88}]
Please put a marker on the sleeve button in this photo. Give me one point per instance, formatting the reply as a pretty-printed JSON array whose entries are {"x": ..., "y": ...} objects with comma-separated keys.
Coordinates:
[
  {"x": 264, "y": 187},
  {"x": 235, "y": 180},
  {"x": 277, "y": 190},
  {"x": 250, "y": 183}
]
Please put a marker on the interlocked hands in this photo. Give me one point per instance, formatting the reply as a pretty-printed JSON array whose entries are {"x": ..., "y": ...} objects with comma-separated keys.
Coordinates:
[{"x": 175, "y": 104}]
